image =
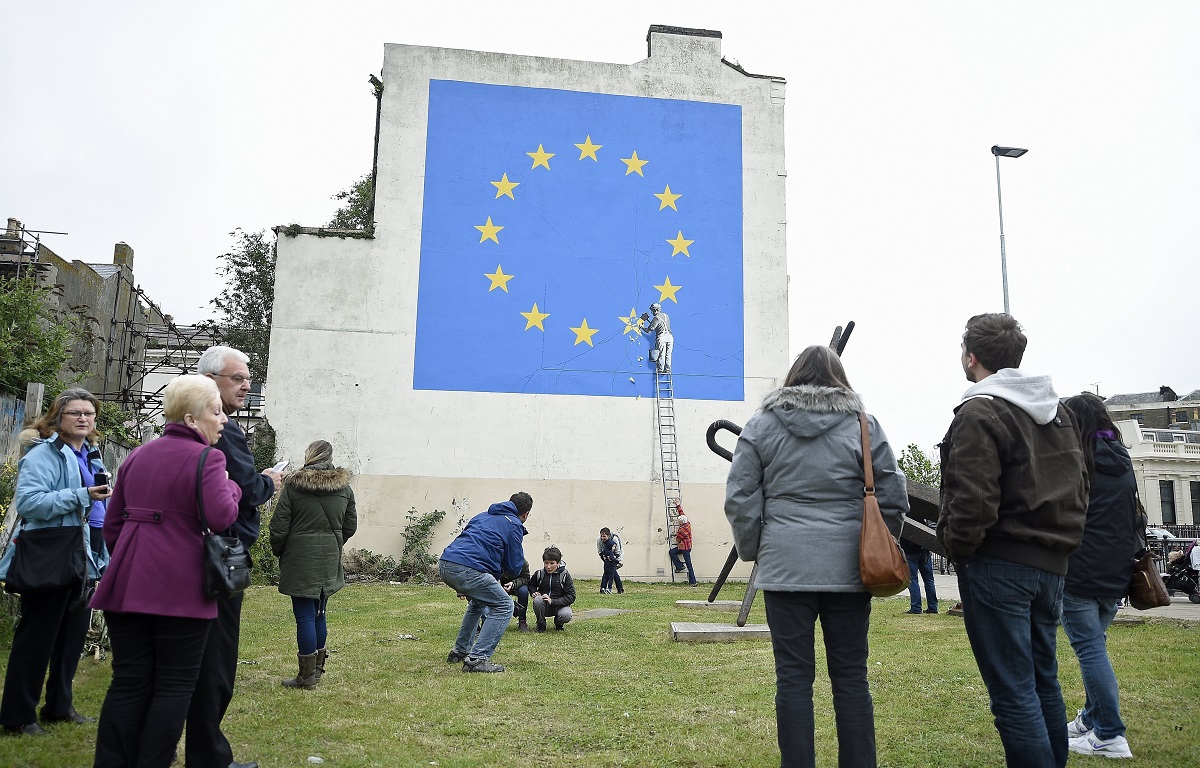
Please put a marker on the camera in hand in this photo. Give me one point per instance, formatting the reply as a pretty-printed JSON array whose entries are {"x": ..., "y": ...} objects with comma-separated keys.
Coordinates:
[{"x": 101, "y": 478}]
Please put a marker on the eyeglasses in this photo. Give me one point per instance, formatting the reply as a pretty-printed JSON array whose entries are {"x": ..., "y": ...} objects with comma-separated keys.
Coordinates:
[
  {"x": 236, "y": 378},
  {"x": 79, "y": 414}
]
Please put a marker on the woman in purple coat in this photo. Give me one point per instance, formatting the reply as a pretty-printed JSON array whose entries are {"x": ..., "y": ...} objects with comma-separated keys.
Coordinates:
[{"x": 152, "y": 594}]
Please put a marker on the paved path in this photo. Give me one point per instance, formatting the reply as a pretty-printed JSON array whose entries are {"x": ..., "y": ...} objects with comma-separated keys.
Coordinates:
[{"x": 1180, "y": 607}]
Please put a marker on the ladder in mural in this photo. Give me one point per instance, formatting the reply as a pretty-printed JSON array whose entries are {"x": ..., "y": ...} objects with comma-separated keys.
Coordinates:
[{"x": 664, "y": 396}]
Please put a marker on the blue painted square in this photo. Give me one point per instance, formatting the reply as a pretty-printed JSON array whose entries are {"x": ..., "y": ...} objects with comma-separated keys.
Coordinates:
[{"x": 587, "y": 238}]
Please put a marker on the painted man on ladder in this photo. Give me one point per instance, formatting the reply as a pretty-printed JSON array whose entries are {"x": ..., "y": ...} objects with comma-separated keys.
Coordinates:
[{"x": 660, "y": 326}]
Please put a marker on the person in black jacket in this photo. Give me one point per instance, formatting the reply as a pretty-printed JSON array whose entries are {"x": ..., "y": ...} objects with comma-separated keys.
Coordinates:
[
  {"x": 205, "y": 745},
  {"x": 552, "y": 590},
  {"x": 1098, "y": 576}
]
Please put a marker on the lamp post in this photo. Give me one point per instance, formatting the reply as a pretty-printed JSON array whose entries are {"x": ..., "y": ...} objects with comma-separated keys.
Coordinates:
[{"x": 1004, "y": 152}]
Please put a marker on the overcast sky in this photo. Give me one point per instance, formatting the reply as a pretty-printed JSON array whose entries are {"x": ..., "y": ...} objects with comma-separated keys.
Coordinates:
[{"x": 167, "y": 126}]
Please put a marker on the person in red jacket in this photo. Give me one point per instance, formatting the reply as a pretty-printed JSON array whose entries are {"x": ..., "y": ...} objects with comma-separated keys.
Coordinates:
[{"x": 681, "y": 553}]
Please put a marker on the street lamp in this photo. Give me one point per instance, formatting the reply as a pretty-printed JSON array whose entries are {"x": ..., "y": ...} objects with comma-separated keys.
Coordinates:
[{"x": 1004, "y": 152}]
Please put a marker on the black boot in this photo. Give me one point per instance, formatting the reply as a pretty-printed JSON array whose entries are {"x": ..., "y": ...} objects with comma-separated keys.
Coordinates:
[
  {"x": 321, "y": 656},
  {"x": 307, "y": 676}
]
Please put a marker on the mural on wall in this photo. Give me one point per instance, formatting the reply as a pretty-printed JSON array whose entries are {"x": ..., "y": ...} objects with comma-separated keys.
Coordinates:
[{"x": 553, "y": 219}]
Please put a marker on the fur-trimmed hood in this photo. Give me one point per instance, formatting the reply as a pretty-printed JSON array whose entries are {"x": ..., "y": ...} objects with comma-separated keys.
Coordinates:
[
  {"x": 808, "y": 410},
  {"x": 320, "y": 480}
]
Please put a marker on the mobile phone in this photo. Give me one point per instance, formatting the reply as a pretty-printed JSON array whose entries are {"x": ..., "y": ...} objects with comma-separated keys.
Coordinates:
[
  {"x": 101, "y": 478},
  {"x": 281, "y": 465}
]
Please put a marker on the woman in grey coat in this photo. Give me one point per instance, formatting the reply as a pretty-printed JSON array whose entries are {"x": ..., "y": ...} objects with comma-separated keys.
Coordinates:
[{"x": 794, "y": 499}]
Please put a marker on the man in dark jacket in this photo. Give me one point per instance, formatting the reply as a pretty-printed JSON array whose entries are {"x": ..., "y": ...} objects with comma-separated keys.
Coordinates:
[
  {"x": 1013, "y": 503},
  {"x": 552, "y": 590},
  {"x": 206, "y": 745},
  {"x": 489, "y": 546}
]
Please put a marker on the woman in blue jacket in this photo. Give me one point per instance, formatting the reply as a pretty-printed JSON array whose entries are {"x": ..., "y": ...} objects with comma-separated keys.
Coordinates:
[{"x": 56, "y": 486}]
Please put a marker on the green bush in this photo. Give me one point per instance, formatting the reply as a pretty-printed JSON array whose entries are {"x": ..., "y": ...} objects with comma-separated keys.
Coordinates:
[{"x": 266, "y": 565}]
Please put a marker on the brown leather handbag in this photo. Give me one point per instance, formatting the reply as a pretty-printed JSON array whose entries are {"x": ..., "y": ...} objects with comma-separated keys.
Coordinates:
[
  {"x": 881, "y": 562},
  {"x": 1146, "y": 587}
]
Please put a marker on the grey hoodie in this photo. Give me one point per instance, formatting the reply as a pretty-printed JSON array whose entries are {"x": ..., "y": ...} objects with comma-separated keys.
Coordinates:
[
  {"x": 1033, "y": 394},
  {"x": 794, "y": 497}
]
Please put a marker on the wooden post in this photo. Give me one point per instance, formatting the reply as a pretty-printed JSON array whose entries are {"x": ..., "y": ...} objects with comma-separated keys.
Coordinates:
[{"x": 33, "y": 400}]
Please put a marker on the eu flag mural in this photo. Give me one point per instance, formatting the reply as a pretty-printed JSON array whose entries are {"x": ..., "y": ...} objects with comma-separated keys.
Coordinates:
[{"x": 553, "y": 219}]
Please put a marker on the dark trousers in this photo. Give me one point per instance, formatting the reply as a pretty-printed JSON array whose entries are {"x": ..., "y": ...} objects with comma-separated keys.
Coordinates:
[
  {"x": 48, "y": 636},
  {"x": 611, "y": 578},
  {"x": 845, "y": 618},
  {"x": 155, "y": 663},
  {"x": 520, "y": 602},
  {"x": 206, "y": 746}
]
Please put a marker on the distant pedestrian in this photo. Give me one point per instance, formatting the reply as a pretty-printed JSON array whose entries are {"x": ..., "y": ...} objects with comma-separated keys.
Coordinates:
[
  {"x": 681, "y": 553},
  {"x": 920, "y": 566},
  {"x": 313, "y": 518},
  {"x": 608, "y": 547},
  {"x": 490, "y": 545}
]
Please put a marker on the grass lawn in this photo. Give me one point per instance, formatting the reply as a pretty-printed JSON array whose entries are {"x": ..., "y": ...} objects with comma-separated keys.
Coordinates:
[{"x": 617, "y": 691}]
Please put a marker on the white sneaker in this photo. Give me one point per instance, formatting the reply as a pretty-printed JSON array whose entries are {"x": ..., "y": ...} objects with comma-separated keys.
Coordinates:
[
  {"x": 1088, "y": 744},
  {"x": 1076, "y": 728}
]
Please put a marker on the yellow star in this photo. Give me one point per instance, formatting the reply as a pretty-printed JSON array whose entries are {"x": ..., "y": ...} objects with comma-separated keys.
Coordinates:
[
  {"x": 541, "y": 157},
  {"x": 667, "y": 199},
  {"x": 505, "y": 187},
  {"x": 499, "y": 280},
  {"x": 667, "y": 291},
  {"x": 631, "y": 323},
  {"x": 583, "y": 333},
  {"x": 680, "y": 245},
  {"x": 588, "y": 149},
  {"x": 633, "y": 165},
  {"x": 488, "y": 231},
  {"x": 533, "y": 317}
]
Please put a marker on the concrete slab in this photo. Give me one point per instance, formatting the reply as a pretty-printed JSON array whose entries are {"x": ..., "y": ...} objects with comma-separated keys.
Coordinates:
[
  {"x": 715, "y": 605},
  {"x": 702, "y": 632}
]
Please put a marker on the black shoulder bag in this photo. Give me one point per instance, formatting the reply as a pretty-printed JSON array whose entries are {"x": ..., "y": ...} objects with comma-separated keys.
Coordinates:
[{"x": 226, "y": 561}]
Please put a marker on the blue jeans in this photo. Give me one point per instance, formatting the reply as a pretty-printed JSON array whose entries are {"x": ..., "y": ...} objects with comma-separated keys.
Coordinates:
[
  {"x": 681, "y": 558},
  {"x": 311, "y": 630},
  {"x": 486, "y": 600},
  {"x": 924, "y": 568},
  {"x": 1085, "y": 620},
  {"x": 1011, "y": 613},
  {"x": 845, "y": 618}
]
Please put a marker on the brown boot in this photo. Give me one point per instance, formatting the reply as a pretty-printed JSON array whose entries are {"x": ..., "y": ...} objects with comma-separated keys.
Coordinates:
[
  {"x": 523, "y": 626},
  {"x": 321, "y": 656},
  {"x": 307, "y": 676}
]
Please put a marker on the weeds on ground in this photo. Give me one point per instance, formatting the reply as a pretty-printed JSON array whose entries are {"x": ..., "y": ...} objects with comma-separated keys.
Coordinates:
[{"x": 617, "y": 691}]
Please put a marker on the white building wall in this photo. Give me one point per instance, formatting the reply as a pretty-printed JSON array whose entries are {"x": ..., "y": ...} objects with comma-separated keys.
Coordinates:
[
  {"x": 1157, "y": 460},
  {"x": 342, "y": 344}
]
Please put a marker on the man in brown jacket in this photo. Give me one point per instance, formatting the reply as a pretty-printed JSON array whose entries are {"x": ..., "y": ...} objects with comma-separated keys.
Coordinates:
[{"x": 1013, "y": 504}]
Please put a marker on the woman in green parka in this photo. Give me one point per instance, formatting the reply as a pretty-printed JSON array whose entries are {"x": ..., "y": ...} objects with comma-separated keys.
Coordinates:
[{"x": 312, "y": 520}]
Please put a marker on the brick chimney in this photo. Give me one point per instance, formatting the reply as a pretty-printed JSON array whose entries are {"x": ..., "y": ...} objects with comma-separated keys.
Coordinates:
[{"x": 123, "y": 255}]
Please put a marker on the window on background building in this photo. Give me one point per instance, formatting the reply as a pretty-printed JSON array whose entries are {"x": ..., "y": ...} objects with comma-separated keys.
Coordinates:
[
  {"x": 1181, "y": 417},
  {"x": 1166, "y": 494},
  {"x": 1195, "y": 502},
  {"x": 1138, "y": 418}
]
